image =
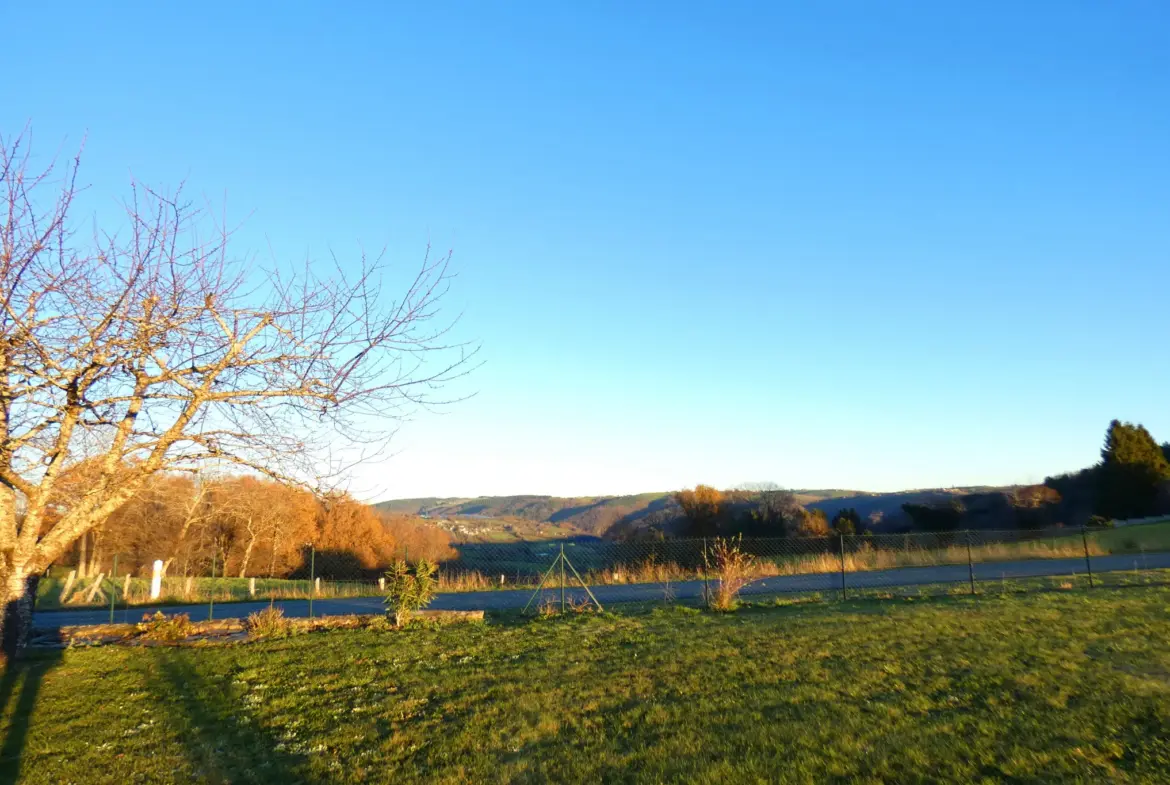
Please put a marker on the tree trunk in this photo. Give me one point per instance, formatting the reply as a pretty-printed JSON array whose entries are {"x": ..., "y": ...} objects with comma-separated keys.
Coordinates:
[
  {"x": 247, "y": 558},
  {"x": 20, "y": 592}
]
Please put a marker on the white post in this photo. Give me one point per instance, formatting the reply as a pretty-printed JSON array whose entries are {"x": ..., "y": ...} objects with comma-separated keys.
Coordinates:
[
  {"x": 317, "y": 586},
  {"x": 126, "y": 586},
  {"x": 501, "y": 579},
  {"x": 188, "y": 587},
  {"x": 251, "y": 587},
  {"x": 156, "y": 580},
  {"x": 381, "y": 584}
]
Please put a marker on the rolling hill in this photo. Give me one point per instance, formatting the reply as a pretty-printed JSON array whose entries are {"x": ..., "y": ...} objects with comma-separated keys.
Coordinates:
[{"x": 524, "y": 517}]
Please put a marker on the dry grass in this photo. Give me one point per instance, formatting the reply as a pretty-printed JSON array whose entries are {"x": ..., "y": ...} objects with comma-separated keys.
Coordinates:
[
  {"x": 267, "y": 623},
  {"x": 734, "y": 570},
  {"x": 468, "y": 580},
  {"x": 866, "y": 557},
  {"x": 649, "y": 571}
]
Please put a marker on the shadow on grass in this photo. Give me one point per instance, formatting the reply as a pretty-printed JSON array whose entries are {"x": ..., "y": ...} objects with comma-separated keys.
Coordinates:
[
  {"x": 19, "y": 688},
  {"x": 222, "y": 741}
]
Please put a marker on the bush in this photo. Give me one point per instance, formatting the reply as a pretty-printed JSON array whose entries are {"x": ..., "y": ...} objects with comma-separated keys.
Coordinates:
[
  {"x": 268, "y": 623},
  {"x": 734, "y": 570},
  {"x": 409, "y": 590},
  {"x": 161, "y": 627}
]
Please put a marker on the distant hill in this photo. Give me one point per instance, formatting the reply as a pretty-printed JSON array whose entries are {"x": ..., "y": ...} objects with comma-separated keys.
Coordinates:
[
  {"x": 599, "y": 515},
  {"x": 586, "y": 514},
  {"x": 890, "y": 504}
]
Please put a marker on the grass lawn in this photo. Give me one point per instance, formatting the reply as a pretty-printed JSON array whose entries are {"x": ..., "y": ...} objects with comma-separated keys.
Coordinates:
[
  {"x": 1133, "y": 539},
  {"x": 1069, "y": 686}
]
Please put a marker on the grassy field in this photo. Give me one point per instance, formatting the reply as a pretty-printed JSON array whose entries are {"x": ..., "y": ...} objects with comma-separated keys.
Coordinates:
[{"x": 1067, "y": 686}]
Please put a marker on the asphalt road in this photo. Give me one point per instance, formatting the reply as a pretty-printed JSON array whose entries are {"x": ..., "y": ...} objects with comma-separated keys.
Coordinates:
[{"x": 518, "y": 598}]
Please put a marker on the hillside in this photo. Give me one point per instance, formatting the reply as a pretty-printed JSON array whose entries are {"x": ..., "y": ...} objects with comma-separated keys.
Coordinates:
[
  {"x": 582, "y": 514},
  {"x": 889, "y": 505},
  {"x": 524, "y": 517}
]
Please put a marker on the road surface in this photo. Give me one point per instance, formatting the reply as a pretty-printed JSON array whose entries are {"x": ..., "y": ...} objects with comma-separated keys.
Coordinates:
[{"x": 512, "y": 599}]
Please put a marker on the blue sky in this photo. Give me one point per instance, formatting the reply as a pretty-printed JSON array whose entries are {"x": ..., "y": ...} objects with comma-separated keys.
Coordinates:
[{"x": 833, "y": 244}]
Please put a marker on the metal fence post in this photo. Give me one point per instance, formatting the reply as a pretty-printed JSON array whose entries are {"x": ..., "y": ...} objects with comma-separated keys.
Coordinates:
[
  {"x": 844, "y": 591},
  {"x": 211, "y": 589},
  {"x": 562, "y": 561},
  {"x": 706, "y": 576},
  {"x": 312, "y": 576},
  {"x": 113, "y": 588},
  {"x": 970, "y": 563},
  {"x": 1088, "y": 561}
]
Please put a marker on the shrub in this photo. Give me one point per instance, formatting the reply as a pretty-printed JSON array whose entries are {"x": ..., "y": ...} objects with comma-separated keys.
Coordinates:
[
  {"x": 734, "y": 570},
  {"x": 161, "y": 627},
  {"x": 268, "y": 623},
  {"x": 409, "y": 589}
]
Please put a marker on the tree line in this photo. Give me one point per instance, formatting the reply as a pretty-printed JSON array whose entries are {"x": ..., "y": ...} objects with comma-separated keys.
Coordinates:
[
  {"x": 243, "y": 526},
  {"x": 1131, "y": 480},
  {"x": 761, "y": 511}
]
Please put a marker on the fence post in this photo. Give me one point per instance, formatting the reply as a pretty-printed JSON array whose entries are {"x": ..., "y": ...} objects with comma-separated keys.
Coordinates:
[
  {"x": 113, "y": 588},
  {"x": 970, "y": 563},
  {"x": 211, "y": 589},
  {"x": 706, "y": 577},
  {"x": 382, "y": 584},
  {"x": 156, "y": 580},
  {"x": 844, "y": 591},
  {"x": 562, "y": 560},
  {"x": 1088, "y": 561},
  {"x": 312, "y": 576},
  {"x": 68, "y": 586},
  {"x": 252, "y": 587},
  {"x": 96, "y": 586}
]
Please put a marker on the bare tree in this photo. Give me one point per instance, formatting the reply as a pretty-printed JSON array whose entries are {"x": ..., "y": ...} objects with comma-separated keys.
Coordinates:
[{"x": 145, "y": 347}]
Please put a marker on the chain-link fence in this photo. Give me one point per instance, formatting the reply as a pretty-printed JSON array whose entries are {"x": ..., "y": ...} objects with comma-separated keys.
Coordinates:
[
  {"x": 504, "y": 575},
  {"x": 849, "y": 566}
]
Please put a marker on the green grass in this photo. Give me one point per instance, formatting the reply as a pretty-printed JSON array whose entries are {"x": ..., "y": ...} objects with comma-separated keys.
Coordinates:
[
  {"x": 174, "y": 591},
  {"x": 1048, "y": 687},
  {"x": 1134, "y": 539}
]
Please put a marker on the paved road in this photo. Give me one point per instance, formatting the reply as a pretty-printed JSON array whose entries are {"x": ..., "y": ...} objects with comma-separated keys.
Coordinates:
[{"x": 517, "y": 598}]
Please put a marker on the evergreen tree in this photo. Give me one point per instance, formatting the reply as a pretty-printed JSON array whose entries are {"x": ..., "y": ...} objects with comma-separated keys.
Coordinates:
[
  {"x": 847, "y": 521},
  {"x": 1133, "y": 470}
]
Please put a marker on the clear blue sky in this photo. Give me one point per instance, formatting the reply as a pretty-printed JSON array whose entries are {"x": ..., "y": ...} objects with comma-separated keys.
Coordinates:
[{"x": 831, "y": 244}]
